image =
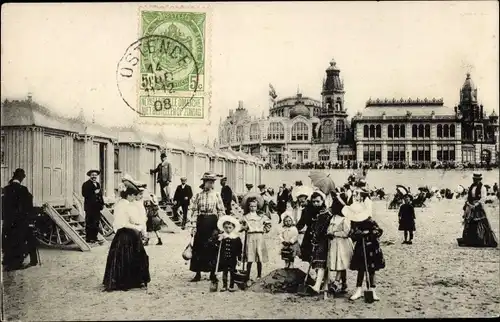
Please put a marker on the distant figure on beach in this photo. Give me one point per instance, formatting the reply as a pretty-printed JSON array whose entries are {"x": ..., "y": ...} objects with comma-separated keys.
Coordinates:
[
  {"x": 477, "y": 230},
  {"x": 406, "y": 217},
  {"x": 164, "y": 177}
]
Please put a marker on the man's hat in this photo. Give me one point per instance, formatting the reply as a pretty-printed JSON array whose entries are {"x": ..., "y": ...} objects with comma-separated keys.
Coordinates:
[
  {"x": 163, "y": 154},
  {"x": 223, "y": 178},
  {"x": 477, "y": 176},
  {"x": 92, "y": 171},
  {"x": 298, "y": 183},
  {"x": 183, "y": 179},
  {"x": 249, "y": 186},
  {"x": 19, "y": 173},
  {"x": 261, "y": 186}
]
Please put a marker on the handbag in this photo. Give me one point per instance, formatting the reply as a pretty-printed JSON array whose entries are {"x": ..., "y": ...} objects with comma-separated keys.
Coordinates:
[{"x": 187, "y": 254}]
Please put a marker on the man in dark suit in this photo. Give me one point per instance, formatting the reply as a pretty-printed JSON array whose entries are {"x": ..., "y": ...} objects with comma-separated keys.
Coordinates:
[
  {"x": 227, "y": 195},
  {"x": 17, "y": 215},
  {"x": 164, "y": 177},
  {"x": 283, "y": 197},
  {"x": 93, "y": 204},
  {"x": 182, "y": 197}
]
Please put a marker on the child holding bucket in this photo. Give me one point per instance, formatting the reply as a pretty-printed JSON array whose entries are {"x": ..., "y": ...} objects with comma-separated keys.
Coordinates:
[
  {"x": 256, "y": 225},
  {"x": 289, "y": 240},
  {"x": 365, "y": 232}
]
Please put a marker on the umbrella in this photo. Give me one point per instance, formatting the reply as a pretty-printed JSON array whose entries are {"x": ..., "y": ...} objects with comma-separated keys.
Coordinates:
[
  {"x": 401, "y": 189},
  {"x": 260, "y": 199},
  {"x": 322, "y": 181},
  {"x": 302, "y": 190}
]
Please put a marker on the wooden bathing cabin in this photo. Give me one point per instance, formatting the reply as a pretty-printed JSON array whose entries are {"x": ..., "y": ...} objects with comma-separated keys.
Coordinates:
[{"x": 56, "y": 152}]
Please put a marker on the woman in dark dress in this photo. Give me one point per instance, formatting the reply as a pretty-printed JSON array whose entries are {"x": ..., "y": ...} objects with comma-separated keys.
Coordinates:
[
  {"x": 407, "y": 220},
  {"x": 477, "y": 230},
  {"x": 320, "y": 239},
  {"x": 127, "y": 265},
  {"x": 307, "y": 219},
  {"x": 205, "y": 209}
]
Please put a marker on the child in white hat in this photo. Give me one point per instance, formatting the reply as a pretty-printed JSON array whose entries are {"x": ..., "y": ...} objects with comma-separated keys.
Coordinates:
[
  {"x": 230, "y": 250},
  {"x": 289, "y": 239}
]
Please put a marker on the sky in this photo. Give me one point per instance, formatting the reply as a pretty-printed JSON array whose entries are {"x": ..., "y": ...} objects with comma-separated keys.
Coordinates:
[{"x": 66, "y": 54}]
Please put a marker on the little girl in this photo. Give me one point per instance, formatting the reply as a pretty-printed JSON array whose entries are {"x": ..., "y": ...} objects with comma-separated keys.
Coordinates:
[
  {"x": 289, "y": 239},
  {"x": 256, "y": 226},
  {"x": 365, "y": 232}
]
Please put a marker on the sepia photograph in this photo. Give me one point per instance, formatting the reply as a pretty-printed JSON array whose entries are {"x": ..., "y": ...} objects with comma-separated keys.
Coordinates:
[{"x": 250, "y": 160}]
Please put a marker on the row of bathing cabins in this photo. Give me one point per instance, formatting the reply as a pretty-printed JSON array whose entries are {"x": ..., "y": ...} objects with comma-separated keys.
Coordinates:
[{"x": 56, "y": 152}]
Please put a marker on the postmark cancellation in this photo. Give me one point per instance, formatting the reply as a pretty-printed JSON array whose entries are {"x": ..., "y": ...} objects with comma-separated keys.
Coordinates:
[{"x": 165, "y": 74}]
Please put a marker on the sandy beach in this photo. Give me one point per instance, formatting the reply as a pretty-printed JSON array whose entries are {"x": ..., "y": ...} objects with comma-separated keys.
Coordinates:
[{"x": 431, "y": 278}]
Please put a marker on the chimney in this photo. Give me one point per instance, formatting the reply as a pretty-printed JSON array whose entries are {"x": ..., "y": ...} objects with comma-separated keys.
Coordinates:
[
  {"x": 30, "y": 96},
  {"x": 240, "y": 105},
  {"x": 481, "y": 111}
]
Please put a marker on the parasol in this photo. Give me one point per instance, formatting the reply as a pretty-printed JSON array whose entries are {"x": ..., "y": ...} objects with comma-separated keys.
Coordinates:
[
  {"x": 260, "y": 200},
  {"x": 301, "y": 190},
  {"x": 401, "y": 189},
  {"x": 322, "y": 181}
]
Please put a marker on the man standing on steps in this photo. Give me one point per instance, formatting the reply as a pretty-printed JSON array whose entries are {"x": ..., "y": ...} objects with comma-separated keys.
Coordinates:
[
  {"x": 164, "y": 177},
  {"x": 182, "y": 197},
  {"x": 17, "y": 213},
  {"x": 227, "y": 195},
  {"x": 93, "y": 204}
]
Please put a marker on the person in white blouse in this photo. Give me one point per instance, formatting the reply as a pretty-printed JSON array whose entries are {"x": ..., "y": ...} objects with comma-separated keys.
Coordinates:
[{"x": 127, "y": 264}]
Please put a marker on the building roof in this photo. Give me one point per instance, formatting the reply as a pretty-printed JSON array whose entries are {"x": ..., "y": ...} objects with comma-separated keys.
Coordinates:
[
  {"x": 300, "y": 110},
  {"x": 29, "y": 113}
]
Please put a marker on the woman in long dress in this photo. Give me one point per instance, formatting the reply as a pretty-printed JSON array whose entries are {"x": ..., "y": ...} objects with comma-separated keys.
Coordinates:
[
  {"x": 127, "y": 265},
  {"x": 205, "y": 209},
  {"x": 477, "y": 230}
]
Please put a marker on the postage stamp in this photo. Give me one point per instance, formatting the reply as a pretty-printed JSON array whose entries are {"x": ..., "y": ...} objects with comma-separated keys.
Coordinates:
[{"x": 164, "y": 73}]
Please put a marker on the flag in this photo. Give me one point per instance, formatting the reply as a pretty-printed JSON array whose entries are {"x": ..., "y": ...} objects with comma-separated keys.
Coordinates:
[{"x": 272, "y": 92}]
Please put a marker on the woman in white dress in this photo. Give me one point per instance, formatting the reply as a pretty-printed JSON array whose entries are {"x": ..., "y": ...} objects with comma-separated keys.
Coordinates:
[{"x": 127, "y": 265}]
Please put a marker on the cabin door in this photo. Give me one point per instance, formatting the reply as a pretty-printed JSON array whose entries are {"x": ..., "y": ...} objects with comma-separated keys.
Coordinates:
[
  {"x": 53, "y": 167},
  {"x": 151, "y": 162},
  {"x": 102, "y": 165}
]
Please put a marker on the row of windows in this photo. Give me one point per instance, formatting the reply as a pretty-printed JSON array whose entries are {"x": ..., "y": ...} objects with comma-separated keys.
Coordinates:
[
  {"x": 446, "y": 152},
  {"x": 372, "y": 131},
  {"x": 418, "y": 131},
  {"x": 300, "y": 131},
  {"x": 419, "y": 152}
]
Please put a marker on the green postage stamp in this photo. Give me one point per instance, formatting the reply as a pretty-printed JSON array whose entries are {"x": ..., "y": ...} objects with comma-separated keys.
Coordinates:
[{"x": 168, "y": 66}]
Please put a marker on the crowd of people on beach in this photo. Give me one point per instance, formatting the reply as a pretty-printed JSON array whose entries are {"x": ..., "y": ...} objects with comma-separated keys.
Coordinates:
[{"x": 329, "y": 227}]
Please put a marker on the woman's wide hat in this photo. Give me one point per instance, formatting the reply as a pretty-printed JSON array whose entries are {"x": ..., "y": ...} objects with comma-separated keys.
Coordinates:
[
  {"x": 93, "y": 171},
  {"x": 130, "y": 183},
  {"x": 355, "y": 212},
  {"x": 256, "y": 195},
  {"x": 231, "y": 219},
  {"x": 209, "y": 176}
]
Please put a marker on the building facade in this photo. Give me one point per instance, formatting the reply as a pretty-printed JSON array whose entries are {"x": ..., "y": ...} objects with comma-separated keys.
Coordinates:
[
  {"x": 415, "y": 131},
  {"x": 298, "y": 130}
]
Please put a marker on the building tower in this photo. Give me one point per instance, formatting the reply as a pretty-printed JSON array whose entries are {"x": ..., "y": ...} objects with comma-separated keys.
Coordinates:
[{"x": 471, "y": 112}]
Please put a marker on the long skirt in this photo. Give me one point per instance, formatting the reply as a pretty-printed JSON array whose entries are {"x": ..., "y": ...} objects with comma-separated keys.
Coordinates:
[
  {"x": 477, "y": 230},
  {"x": 205, "y": 244},
  {"x": 127, "y": 265},
  {"x": 339, "y": 254},
  {"x": 256, "y": 248}
]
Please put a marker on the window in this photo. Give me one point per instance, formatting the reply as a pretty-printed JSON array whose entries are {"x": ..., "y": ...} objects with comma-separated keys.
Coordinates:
[
  {"x": 306, "y": 155},
  {"x": 439, "y": 131},
  {"x": 328, "y": 130},
  {"x": 390, "y": 130},
  {"x": 421, "y": 153},
  {"x": 365, "y": 131},
  {"x": 452, "y": 130},
  {"x": 339, "y": 129},
  {"x": 275, "y": 131},
  {"x": 395, "y": 152},
  {"x": 427, "y": 131},
  {"x": 446, "y": 152},
  {"x": 421, "y": 131},
  {"x": 372, "y": 131},
  {"x": 446, "y": 130},
  {"x": 300, "y": 131},
  {"x": 402, "y": 131},
  {"x": 324, "y": 155},
  {"x": 378, "y": 131},
  {"x": 414, "y": 131},
  {"x": 254, "y": 132},
  {"x": 239, "y": 133},
  {"x": 117, "y": 158},
  {"x": 468, "y": 155},
  {"x": 372, "y": 153},
  {"x": 229, "y": 135}
]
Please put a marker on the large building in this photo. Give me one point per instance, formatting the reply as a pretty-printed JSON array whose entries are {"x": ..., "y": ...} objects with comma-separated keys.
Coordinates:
[
  {"x": 301, "y": 129},
  {"x": 416, "y": 131}
]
